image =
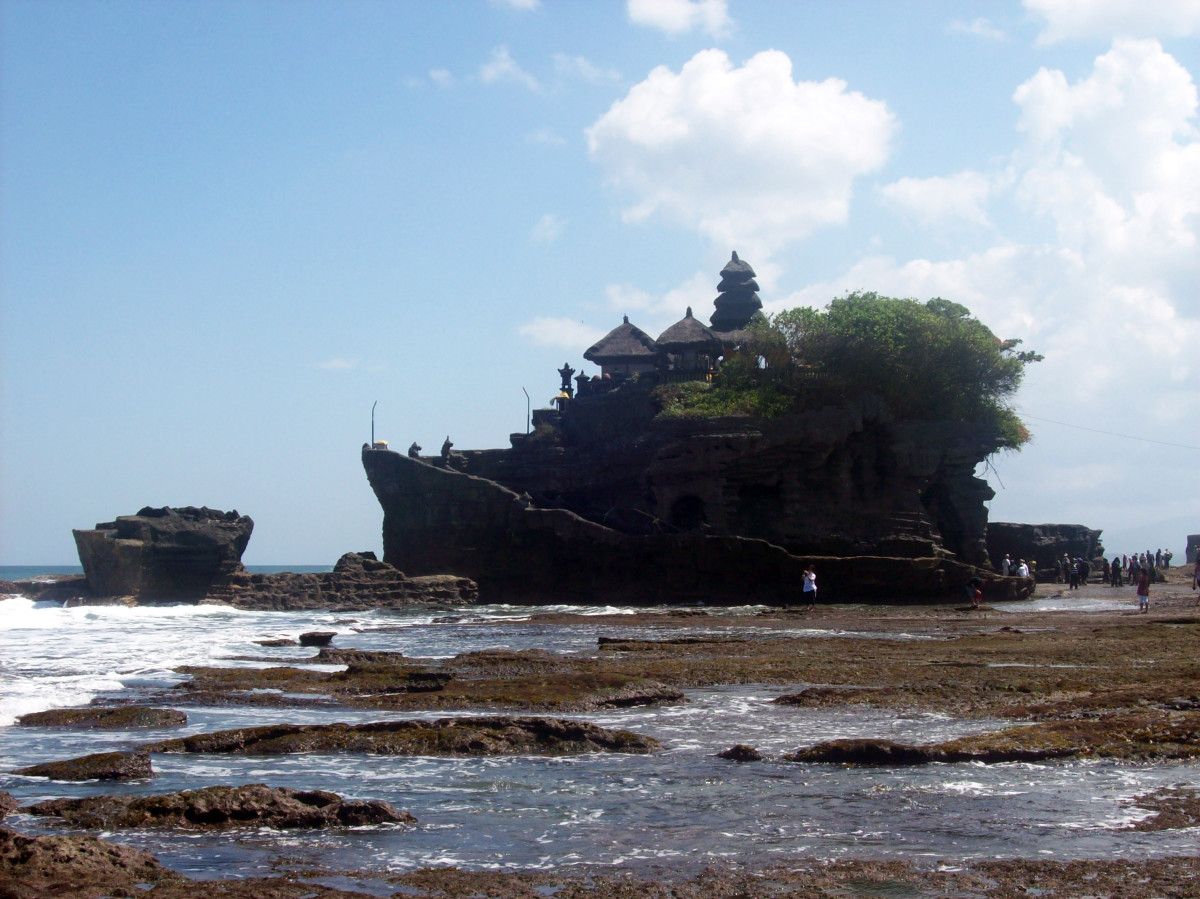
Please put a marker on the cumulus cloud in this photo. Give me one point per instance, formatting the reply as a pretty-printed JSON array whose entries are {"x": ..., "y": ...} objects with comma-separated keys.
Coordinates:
[
  {"x": 679, "y": 16},
  {"x": 566, "y": 333},
  {"x": 548, "y": 228},
  {"x": 954, "y": 198},
  {"x": 979, "y": 27},
  {"x": 1066, "y": 20},
  {"x": 518, "y": 5},
  {"x": 745, "y": 155},
  {"x": 653, "y": 312},
  {"x": 1111, "y": 161},
  {"x": 441, "y": 77},
  {"x": 583, "y": 68},
  {"x": 501, "y": 67}
]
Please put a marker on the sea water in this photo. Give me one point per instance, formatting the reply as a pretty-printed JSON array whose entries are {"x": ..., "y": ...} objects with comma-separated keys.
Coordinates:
[{"x": 681, "y": 808}]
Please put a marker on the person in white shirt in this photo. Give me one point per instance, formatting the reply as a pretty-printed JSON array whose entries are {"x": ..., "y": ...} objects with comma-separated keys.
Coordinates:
[
  {"x": 1022, "y": 569},
  {"x": 810, "y": 585}
]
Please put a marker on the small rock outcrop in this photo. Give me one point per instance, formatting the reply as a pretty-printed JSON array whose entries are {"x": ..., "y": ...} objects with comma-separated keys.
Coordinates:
[
  {"x": 7, "y": 804},
  {"x": 317, "y": 638},
  {"x": 740, "y": 752},
  {"x": 102, "y": 718},
  {"x": 358, "y": 581},
  {"x": 163, "y": 553},
  {"x": 1041, "y": 545},
  {"x": 482, "y": 736},
  {"x": 100, "y": 766},
  {"x": 212, "y": 808},
  {"x": 76, "y": 866}
]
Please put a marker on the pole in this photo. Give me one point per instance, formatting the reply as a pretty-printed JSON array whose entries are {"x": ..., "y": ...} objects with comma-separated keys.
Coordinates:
[
  {"x": 373, "y": 405},
  {"x": 527, "y": 412}
]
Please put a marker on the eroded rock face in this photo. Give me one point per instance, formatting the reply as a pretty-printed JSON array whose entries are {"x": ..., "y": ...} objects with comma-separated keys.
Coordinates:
[
  {"x": 1044, "y": 544},
  {"x": 7, "y": 804},
  {"x": 165, "y": 553},
  {"x": 500, "y": 735},
  {"x": 252, "y": 805},
  {"x": 99, "y": 718},
  {"x": 437, "y": 519},
  {"x": 99, "y": 766},
  {"x": 358, "y": 581}
]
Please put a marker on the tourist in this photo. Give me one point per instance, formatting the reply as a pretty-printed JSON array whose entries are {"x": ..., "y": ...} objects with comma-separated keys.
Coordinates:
[
  {"x": 1143, "y": 591},
  {"x": 810, "y": 585},
  {"x": 1114, "y": 571},
  {"x": 975, "y": 591},
  {"x": 1073, "y": 572},
  {"x": 1006, "y": 566},
  {"x": 1196, "y": 574},
  {"x": 1022, "y": 569}
]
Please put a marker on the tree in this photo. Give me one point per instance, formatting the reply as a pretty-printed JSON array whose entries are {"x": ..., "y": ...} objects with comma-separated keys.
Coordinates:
[{"x": 926, "y": 360}]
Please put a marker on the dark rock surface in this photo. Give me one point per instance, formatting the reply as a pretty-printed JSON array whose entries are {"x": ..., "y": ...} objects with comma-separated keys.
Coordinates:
[
  {"x": 278, "y": 641},
  {"x": 7, "y": 804},
  {"x": 482, "y": 736},
  {"x": 358, "y": 581},
  {"x": 740, "y": 752},
  {"x": 252, "y": 805},
  {"x": 167, "y": 553},
  {"x": 317, "y": 638},
  {"x": 891, "y": 754},
  {"x": 100, "y": 766},
  {"x": 1043, "y": 544},
  {"x": 76, "y": 867},
  {"x": 437, "y": 519},
  {"x": 105, "y": 718}
]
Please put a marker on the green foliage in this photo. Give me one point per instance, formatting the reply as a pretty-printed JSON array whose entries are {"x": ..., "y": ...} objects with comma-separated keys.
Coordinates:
[
  {"x": 928, "y": 360},
  {"x": 700, "y": 399}
]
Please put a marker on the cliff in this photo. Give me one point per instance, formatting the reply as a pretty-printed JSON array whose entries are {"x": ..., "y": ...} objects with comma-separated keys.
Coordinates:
[{"x": 440, "y": 519}]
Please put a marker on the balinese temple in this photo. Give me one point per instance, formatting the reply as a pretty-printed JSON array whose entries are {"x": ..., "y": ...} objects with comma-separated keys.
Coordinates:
[
  {"x": 737, "y": 299},
  {"x": 625, "y": 350},
  {"x": 690, "y": 346}
]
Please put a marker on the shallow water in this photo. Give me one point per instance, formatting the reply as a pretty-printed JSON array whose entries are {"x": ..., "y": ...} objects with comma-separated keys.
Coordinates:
[{"x": 684, "y": 806}]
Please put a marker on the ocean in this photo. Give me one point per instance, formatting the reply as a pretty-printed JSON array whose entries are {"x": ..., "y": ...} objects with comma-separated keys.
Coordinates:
[{"x": 681, "y": 808}]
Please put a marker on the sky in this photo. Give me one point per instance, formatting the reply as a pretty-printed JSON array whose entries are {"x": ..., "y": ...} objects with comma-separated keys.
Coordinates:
[{"x": 228, "y": 228}]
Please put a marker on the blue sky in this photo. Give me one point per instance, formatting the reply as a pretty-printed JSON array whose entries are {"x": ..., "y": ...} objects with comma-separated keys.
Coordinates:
[{"x": 227, "y": 228}]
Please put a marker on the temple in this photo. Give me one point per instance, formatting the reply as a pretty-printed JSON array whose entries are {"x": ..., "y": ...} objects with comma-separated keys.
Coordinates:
[{"x": 608, "y": 499}]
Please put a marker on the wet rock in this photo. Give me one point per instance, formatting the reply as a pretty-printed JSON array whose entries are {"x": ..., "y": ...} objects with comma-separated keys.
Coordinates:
[
  {"x": 619, "y": 644},
  {"x": 277, "y": 641},
  {"x": 317, "y": 638},
  {"x": 1172, "y": 807},
  {"x": 837, "y": 694},
  {"x": 99, "y": 766},
  {"x": 252, "y": 805},
  {"x": 740, "y": 752},
  {"x": 482, "y": 736},
  {"x": 863, "y": 752},
  {"x": 100, "y": 718},
  {"x": 7, "y": 804},
  {"x": 75, "y": 866},
  {"x": 331, "y": 655}
]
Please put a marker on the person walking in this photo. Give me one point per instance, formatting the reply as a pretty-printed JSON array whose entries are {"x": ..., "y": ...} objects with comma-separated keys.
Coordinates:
[
  {"x": 1115, "y": 569},
  {"x": 1143, "y": 591},
  {"x": 810, "y": 585}
]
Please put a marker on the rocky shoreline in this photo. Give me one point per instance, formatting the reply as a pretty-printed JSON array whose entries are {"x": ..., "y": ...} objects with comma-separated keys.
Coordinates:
[{"x": 1073, "y": 684}]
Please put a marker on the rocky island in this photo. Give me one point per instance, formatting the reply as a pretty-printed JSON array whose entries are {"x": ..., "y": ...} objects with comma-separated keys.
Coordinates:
[{"x": 633, "y": 490}]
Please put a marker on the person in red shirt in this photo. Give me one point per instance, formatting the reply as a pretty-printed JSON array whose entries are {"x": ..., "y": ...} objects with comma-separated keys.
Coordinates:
[{"x": 1143, "y": 590}]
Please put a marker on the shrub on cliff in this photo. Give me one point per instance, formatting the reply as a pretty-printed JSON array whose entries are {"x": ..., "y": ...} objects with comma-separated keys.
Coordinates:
[{"x": 925, "y": 360}]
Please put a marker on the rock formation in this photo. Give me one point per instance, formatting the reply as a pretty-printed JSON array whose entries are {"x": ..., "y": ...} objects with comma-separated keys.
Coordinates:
[
  {"x": 1043, "y": 544},
  {"x": 99, "y": 766},
  {"x": 105, "y": 718},
  {"x": 163, "y": 553},
  {"x": 358, "y": 581},
  {"x": 216, "y": 808}
]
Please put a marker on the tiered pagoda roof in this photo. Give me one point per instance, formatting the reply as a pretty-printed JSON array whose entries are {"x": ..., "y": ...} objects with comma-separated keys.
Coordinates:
[{"x": 737, "y": 296}]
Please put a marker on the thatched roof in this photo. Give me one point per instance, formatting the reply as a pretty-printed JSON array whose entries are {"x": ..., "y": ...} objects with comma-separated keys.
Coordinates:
[
  {"x": 737, "y": 270},
  {"x": 624, "y": 343},
  {"x": 688, "y": 334}
]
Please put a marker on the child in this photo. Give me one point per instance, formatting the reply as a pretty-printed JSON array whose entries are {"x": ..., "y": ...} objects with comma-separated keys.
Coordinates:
[{"x": 1143, "y": 591}]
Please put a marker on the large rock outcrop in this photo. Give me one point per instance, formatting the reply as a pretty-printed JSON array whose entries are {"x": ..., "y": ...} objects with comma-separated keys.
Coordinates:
[
  {"x": 358, "y": 581},
  {"x": 439, "y": 519},
  {"x": 1043, "y": 544},
  {"x": 164, "y": 553}
]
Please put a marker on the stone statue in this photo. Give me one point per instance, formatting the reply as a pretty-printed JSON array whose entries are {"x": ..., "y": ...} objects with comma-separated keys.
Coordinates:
[
  {"x": 414, "y": 451},
  {"x": 565, "y": 373},
  {"x": 446, "y": 447}
]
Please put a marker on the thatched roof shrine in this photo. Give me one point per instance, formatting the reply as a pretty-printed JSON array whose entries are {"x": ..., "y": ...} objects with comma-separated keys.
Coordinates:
[
  {"x": 625, "y": 343},
  {"x": 689, "y": 336}
]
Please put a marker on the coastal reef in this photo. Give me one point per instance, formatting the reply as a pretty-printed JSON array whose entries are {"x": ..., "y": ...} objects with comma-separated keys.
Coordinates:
[{"x": 252, "y": 805}]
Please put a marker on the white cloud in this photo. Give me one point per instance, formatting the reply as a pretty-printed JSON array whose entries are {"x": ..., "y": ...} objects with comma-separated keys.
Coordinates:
[
  {"x": 338, "y": 363},
  {"x": 548, "y": 228},
  {"x": 746, "y": 156},
  {"x": 1104, "y": 19},
  {"x": 566, "y": 333},
  {"x": 979, "y": 27},
  {"x": 584, "y": 68},
  {"x": 547, "y": 137},
  {"x": 678, "y": 16},
  {"x": 501, "y": 67},
  {"x": 653, "y": 312},
  {"x": 959, "y": 197},
  {"x": 441, "y": 77},
  {"x": 518, "y": 5}
]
